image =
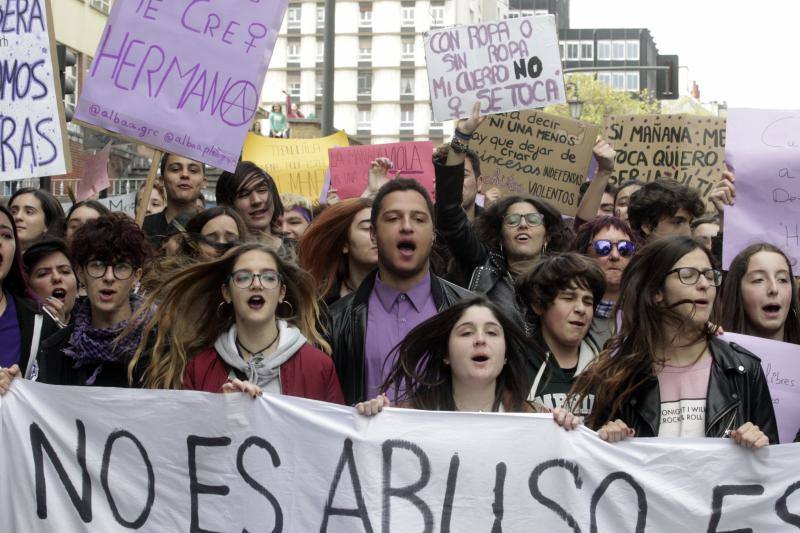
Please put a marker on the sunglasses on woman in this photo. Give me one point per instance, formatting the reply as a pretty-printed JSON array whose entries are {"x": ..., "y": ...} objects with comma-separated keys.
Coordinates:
[{"x": 603, "y": 247}]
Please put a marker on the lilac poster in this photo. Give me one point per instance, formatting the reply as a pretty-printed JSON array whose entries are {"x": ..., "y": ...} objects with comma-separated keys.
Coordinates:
[
  {"x": 781, "y": 364},
  {"x": 184, "y": 76},
  {"x": 763, "y": 146}
]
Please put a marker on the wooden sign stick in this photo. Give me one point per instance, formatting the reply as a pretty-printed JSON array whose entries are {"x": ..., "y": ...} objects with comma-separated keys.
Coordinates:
[{"x": 141, "y": 210}]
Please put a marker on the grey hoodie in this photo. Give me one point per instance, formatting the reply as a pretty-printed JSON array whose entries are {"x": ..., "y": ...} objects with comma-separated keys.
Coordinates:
[{"x": 262, "y": 371}]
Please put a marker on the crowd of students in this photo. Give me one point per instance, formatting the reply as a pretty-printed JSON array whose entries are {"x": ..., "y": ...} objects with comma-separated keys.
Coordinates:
[{"x": 609, "y": 319}]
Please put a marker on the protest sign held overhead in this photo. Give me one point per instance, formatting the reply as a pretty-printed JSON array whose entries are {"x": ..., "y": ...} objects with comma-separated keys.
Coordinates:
[
  {"x": 533, "y": 153},
  {"x": 505, "y": 65},
  {"x": 182, "y": 76},
  {"x": 33, "y": 139},
  {"x": 350, "y": 166},
  {"x": 686, "y": 148},
  {"x": 296, "y": 165},
  {"x": 107, "y": 459},
  {"x": 764, "y": 150},
  {"x": 781, "y": 364}
]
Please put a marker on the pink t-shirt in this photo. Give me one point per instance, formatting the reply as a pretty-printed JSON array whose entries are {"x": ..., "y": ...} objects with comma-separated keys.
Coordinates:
[{"x": 683, "y": 392}]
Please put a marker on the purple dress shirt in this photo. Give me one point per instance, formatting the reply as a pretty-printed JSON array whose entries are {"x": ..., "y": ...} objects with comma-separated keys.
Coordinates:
[{"x": 391, "y": 315}]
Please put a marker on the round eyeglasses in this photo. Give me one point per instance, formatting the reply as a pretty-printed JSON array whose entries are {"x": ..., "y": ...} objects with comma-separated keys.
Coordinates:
[
  {"x": 97, "y": 269},
  {"x": 603, "y": 247},
  {"x": 532, "y": 219},
  {"x": 690, "y": 275},
  {"x": 244, "y": 279}
]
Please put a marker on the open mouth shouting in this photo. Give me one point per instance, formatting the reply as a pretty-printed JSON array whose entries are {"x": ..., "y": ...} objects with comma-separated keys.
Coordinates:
[
  {"x": 407, "y": 247},
  {"x": 772, "y": 310},
  {"x": 256, "y": 302},
  {"x": 480, "y": 359},
  {"x": 60, "y": 294},
  {"x": 106, "y": 295}
]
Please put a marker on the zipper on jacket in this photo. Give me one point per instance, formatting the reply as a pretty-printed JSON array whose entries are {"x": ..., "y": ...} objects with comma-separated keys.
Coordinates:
[{"x": 719, "y": 417}]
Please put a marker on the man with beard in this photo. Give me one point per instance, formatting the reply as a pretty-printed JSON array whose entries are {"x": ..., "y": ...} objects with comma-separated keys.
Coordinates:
[{"x": 366, "y": 325}]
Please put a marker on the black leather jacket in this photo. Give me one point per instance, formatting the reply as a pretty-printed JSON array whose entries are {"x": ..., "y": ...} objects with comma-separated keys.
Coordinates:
[
  {"x": 347, "y": 329},
  {"x": 486, "y": 270},
  {"x": 737, "y": 393}
]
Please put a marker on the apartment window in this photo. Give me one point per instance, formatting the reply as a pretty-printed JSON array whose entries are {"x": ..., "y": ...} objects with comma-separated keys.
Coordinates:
[
  {"x": 407, "y": 117},
  {"x": 320, "y": 50},
  {"x": 364, "y": 118},
  {"x": 408, "y": 50},
  {"x": 320, "y": 16},
  {"x": 104, "y": 6},
  {"x": 436, "y": 125},
  {"x": 541, "y": 12},
  {"x": 632, "y": 81},
  {"x": 71, "y": 75},
  {"x": 603, "y": 50},
  {"x": 293, "y": 17},
  {"x": 512, "y": 14},
  {"x": 407, "y": 84},
  {"x": 617, "y": 49},
  {"x": 587, "y": 50},
  {"x": 294, "y": 86},
  {"x": 407, "y": 16},
  {"x": 365, "y": 16},
  {"x": 618, "y": 81},
  {"x": 604, "y": 78},
  {"x": 632, "y": 50},
  {"x": 365, "y": 49},
  {"x": 365, "y": 83},
  {"x": 437, "y": 16},
  {"x": 572, "y": 50},
  {"x": 293, "y": 51},
  {"x": 561, "y": 50},
  {"x": 320, "y": 85}
]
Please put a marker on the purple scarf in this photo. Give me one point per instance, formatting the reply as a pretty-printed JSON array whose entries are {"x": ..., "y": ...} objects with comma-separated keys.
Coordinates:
[{"x": 89, "y": 345}]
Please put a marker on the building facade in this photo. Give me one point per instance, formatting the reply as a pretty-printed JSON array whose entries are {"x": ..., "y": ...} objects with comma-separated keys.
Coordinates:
[{"x": 381, "y": 85}]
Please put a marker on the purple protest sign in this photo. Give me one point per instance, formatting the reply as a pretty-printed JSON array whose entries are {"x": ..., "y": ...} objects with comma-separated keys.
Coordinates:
[
  {"x": 184, "y": 76},
  {"x": 781, "y": 364},
  {"x": 507, "y": 65},
  {"x": 763, "y": 146}
]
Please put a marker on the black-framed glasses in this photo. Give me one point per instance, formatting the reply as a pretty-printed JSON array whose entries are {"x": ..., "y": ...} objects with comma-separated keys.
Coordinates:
[
  {"x": 532, "y": 219},
  {"x": 603, "y": 247},
  {"x": 690, "y": 275},
  {"x": 244, "y": 279},
  {"x": 97, "y": 269}
]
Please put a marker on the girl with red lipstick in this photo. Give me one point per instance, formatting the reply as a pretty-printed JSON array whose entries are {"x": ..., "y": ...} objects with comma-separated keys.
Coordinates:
[
  {"x": 243, "y": 322},
  {"x": 759, "y": 296},
  {"x": 665, "y": 373}
]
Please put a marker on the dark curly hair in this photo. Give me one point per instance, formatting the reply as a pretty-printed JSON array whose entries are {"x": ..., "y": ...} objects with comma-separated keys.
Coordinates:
[
  {"x": 586, "y": 233},
  {"x": 540, "y": 284},
  {"x": 489, "y": 225},
  {"x": 113, "y": 237},
  {"x": 659, "y": 199}
]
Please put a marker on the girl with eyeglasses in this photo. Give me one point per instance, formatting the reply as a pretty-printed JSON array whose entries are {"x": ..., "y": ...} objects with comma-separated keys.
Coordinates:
[
  {"x": 611, "y": 243},
  {"x": 109, "y": 253},
  {"x": 760, "y": 295},
  {"x": 665, "y": 373},
  {"x": 243, "y": 322}
]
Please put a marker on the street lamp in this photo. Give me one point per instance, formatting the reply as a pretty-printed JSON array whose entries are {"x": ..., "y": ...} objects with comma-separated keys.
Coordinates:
[{"x": 574, "y": 102}]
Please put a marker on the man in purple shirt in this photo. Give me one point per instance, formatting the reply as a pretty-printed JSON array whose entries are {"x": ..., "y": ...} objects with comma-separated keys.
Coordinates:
[{"x": 367, "y": 324}]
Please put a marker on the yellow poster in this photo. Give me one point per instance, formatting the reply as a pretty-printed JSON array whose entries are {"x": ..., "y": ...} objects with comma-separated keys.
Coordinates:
[{"x": 296, "y": 165}]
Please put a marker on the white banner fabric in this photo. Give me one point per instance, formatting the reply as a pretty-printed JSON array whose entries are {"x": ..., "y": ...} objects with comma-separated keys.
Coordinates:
[{"x": 91, "y": 459}]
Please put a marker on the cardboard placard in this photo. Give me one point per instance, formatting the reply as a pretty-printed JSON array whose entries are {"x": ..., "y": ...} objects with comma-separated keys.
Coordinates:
[
  {"x": 687, "y": 148},
  {"x": 350, "y": 165},
  {"x": 507, "y": 65},
  {"x": 184, "y": 76},
  {"x": 33, "y": 134},
  {"x": 537, "y": 154},
  {"x": 296, "y": 165}
]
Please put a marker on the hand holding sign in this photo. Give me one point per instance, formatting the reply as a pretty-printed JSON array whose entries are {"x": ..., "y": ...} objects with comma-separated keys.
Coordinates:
[{"x": 378, "y": 171}]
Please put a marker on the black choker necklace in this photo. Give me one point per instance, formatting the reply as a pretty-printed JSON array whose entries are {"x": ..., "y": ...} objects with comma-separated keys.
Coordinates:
[{"x": 262, "y": 350}]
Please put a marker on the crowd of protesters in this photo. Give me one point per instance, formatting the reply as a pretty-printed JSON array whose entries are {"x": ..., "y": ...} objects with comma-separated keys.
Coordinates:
[{"x": 611, "y": 318}]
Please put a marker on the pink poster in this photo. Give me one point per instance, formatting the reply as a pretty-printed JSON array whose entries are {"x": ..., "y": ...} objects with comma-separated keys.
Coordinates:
[{"x": 349, "y": 166}]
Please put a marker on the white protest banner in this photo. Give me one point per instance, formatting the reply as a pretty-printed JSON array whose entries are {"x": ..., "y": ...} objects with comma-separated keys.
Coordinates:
[
  {"x": 508, "y": 65},
  {"x": 763, "y": 146},
  {"x": 33, "y": 137},
  {"x": 781, "y": 364},
  {"x": 184, "y": 76},
  {"x": 90, "y": 459},
  {"x": 122, "y": 203}
]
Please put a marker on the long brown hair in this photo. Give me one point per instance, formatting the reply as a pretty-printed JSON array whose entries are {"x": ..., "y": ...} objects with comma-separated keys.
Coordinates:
[
  {"x": 421, "y": 377},
  {"x": 320, "y": 247},
  {"x": 190, "y": 316},
  {"x": 733, "y": 315},
  {"x": 631, "y": 356}
]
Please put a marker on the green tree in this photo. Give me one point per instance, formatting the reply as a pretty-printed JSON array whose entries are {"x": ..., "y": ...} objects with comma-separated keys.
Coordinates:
[{"x": 600, "y": 101}]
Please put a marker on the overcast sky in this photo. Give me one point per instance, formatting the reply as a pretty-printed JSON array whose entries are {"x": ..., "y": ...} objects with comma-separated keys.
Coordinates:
[{"x": 744, "y": 53}]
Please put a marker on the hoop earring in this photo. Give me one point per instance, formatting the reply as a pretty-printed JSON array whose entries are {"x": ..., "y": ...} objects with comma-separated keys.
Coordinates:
[
  {"x": 287, "y": 302},
  {"x": 220, "y": 307}
]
